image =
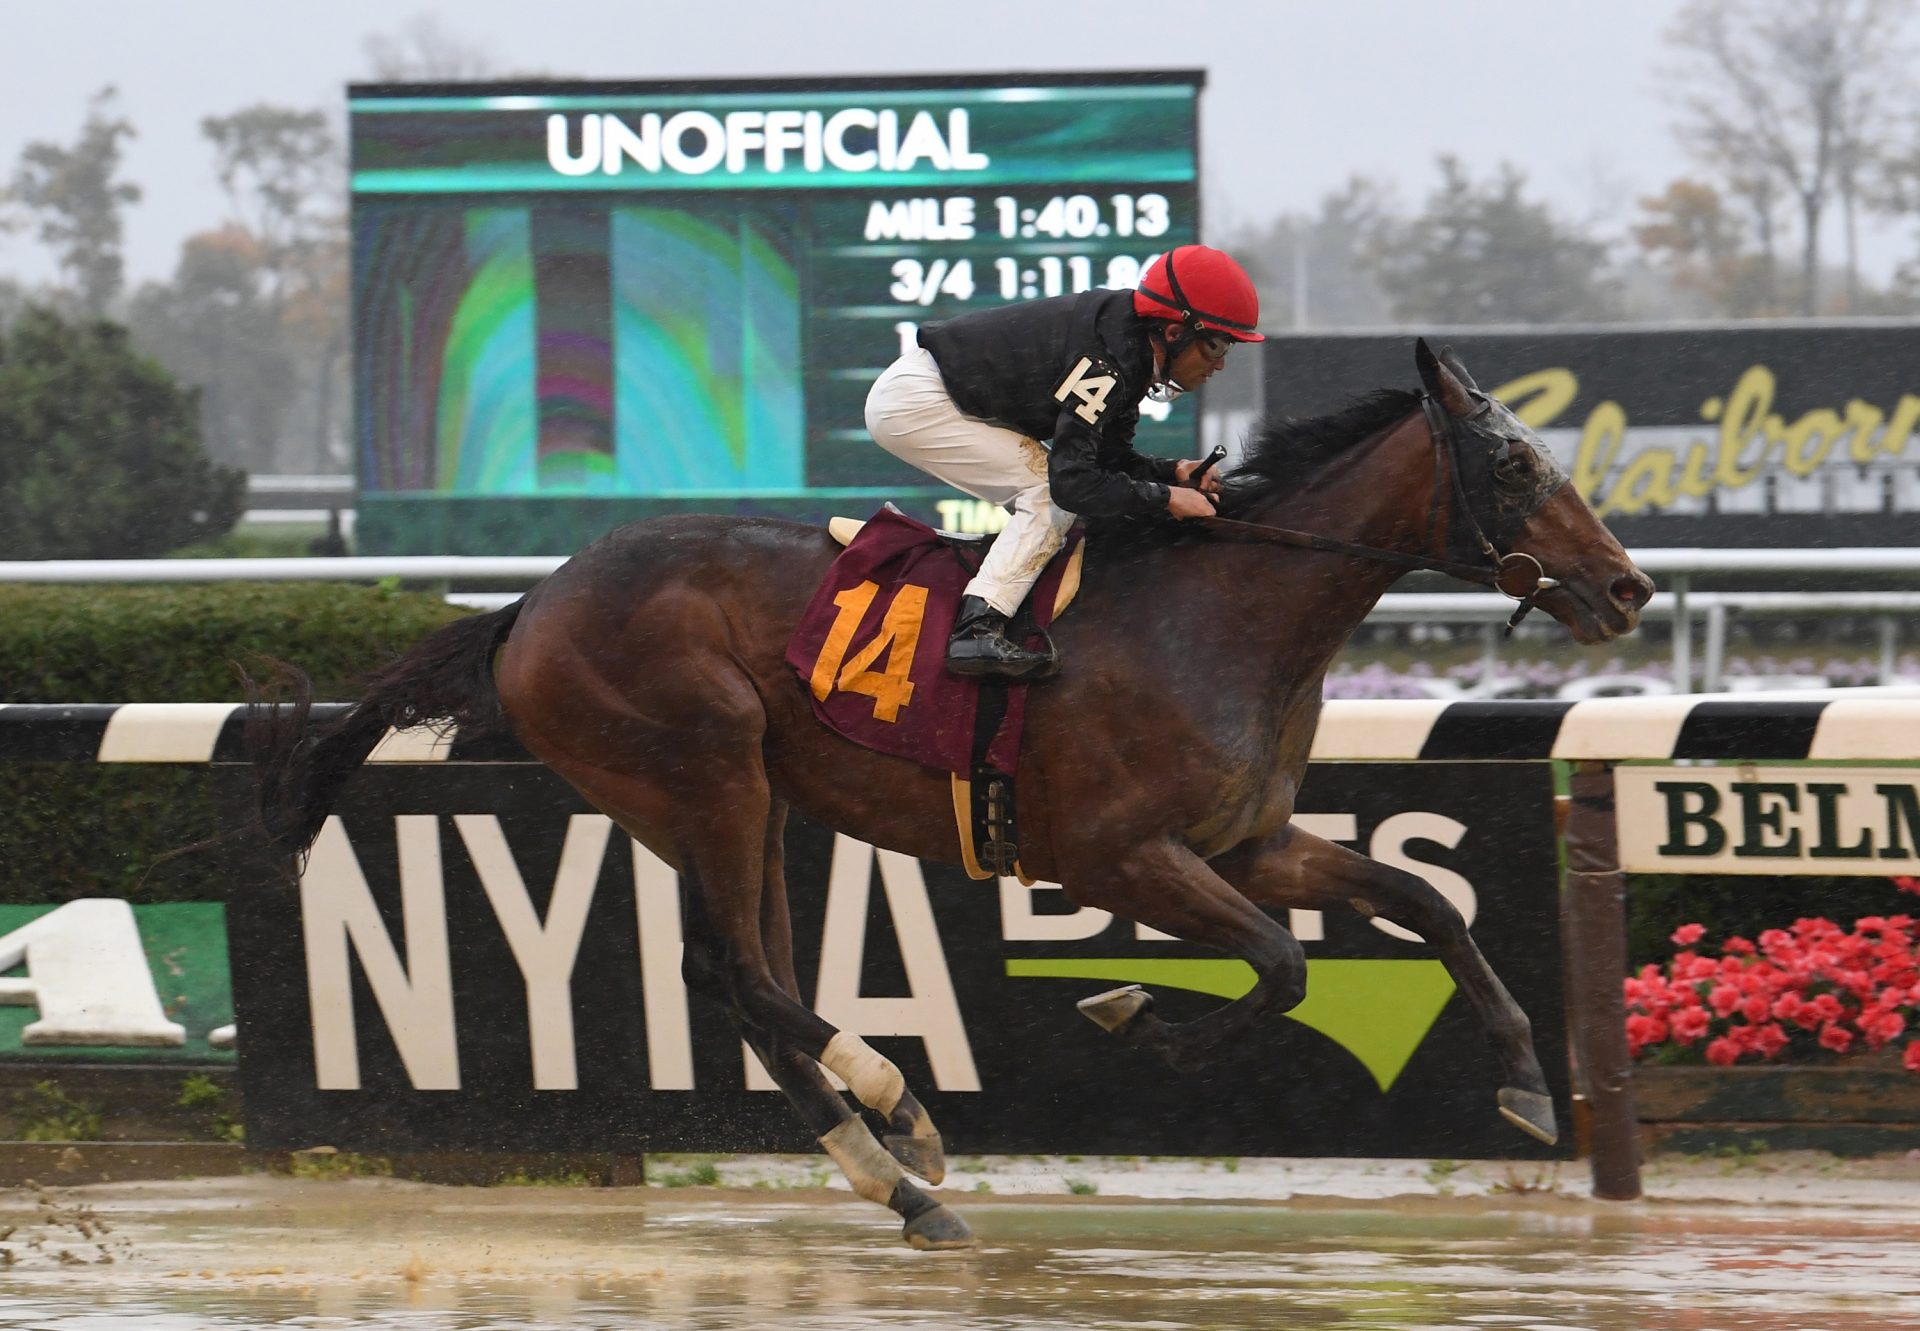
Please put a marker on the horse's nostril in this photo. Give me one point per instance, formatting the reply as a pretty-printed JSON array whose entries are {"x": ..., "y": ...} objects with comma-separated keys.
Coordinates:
[{"x": 1632, "y": 590}]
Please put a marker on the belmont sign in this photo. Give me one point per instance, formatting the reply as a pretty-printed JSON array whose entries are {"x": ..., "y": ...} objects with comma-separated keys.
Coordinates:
[{"x": 1769, "y": 820}]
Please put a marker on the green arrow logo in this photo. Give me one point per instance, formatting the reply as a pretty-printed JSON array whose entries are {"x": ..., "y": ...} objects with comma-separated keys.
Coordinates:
[{"x": 1378, "y": 1011}]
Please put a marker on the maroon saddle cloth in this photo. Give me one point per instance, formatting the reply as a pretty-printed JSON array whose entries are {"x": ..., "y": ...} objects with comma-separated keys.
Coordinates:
[{"x": 871, "y": 647}]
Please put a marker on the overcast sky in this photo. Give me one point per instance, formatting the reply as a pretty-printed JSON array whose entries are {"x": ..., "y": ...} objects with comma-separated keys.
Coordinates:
[{"x": 1301, "y": 93}]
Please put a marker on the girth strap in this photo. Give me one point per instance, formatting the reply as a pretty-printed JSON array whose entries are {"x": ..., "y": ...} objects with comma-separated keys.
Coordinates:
[{"x": 996, "y": 836}]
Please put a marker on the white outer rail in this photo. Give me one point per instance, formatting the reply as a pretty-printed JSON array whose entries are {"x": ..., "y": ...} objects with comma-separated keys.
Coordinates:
[
  {"x": 351, "y": 568},
  {"x": 1676, "y": 560},
  {"x": 1679, "y": 561}
]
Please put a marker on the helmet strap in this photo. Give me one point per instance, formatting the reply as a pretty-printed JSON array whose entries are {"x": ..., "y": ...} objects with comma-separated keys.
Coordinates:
[
  {"x": 1163, "y": 388},
  {"x": 1187, "y": 330},
  {"x": 1190, "y": 325}
]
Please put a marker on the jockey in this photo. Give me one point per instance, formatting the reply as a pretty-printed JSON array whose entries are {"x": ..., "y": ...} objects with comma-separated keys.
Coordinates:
[{"x": 971, "y": 402}]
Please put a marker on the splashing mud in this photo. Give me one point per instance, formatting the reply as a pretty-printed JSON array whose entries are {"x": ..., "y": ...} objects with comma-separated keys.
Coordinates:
[{"x": 377, "y": 1253}]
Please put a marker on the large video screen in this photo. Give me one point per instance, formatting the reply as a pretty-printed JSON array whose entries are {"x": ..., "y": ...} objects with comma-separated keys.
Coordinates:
[{"x": 579, "y": 304}]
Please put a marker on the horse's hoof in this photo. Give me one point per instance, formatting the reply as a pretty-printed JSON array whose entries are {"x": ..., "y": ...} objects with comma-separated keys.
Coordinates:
[
  {"x": 941, "y": 1227},
  {"x": 923, "y": 1157},
  {"x": 1116, "y": 1009},
  {"x": 1531, "y": 1112}
]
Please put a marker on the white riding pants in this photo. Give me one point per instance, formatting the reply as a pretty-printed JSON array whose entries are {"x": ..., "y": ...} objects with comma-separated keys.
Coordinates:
[{"x": 910, "y": 415}]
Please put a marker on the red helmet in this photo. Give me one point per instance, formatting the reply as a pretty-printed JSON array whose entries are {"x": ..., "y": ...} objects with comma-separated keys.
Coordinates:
[{"x": 1203, "y": 289}]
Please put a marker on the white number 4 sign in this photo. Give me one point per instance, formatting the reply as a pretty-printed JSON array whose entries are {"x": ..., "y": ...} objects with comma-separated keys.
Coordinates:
[{"x": 1091, "y": 389}]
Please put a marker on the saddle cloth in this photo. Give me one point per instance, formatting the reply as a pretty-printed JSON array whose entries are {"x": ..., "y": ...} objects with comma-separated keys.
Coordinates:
[{"x": 871, "y": 646}]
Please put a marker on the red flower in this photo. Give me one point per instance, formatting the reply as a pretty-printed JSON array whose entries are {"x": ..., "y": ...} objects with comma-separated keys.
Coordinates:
[
  {"x": 1906, "y": 884},
  {"x": 1745, "y": 1038},
  {"x": 1722, "y": 1051},
  {"x": 1883, "y": 1028},
  {"x": 1689, "y": 1024},
  {"x": 1858, "y": 985}
]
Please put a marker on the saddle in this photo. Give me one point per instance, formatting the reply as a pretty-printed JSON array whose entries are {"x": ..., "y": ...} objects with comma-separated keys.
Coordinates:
[{"x": 859, "y": 649}]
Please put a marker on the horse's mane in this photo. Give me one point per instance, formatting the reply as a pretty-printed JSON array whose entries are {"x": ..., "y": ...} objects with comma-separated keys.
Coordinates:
[{"x": 1281, "y": 455}]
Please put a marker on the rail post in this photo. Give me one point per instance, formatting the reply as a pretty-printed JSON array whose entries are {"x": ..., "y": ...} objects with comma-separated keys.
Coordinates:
[
  {"x": 1597, "y": 961},
  {"x": 1682, "y": 637}
]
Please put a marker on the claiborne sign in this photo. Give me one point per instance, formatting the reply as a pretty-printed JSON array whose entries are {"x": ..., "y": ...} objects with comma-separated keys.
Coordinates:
[
  {"x": 1769, "y": 820},
  {"x": 1777, "y": 433},
  {"x": 1742, "y": 439}
]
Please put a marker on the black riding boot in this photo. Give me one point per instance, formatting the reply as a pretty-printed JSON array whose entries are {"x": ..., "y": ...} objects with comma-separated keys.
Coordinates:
[{"x": 980, "y": 646}]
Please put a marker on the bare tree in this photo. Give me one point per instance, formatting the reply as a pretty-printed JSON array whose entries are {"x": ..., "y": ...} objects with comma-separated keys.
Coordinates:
[
  {"x": 1692, "y": 238},
  {"x": 423, "y": 51},
  {"x": 76, "y": 202},
  {"x": 1787, "y": 97},
  {"x": 285, "y": 178}
]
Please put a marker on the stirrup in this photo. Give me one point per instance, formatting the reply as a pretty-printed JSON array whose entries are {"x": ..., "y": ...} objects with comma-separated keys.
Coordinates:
[{"x": 974, "y": 654}]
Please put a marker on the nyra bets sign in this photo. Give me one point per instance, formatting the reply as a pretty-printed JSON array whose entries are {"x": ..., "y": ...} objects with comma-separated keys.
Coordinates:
[
  {"x": 474, "y": 960},
  {"x": 1769, "y": 820}
]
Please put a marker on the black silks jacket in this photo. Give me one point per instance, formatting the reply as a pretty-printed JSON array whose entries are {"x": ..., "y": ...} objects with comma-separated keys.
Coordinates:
[{"x": 1071, "y": 369}]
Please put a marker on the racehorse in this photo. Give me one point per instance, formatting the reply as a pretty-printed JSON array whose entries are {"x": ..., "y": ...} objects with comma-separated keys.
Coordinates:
[{"x": 1158, "y": 774}]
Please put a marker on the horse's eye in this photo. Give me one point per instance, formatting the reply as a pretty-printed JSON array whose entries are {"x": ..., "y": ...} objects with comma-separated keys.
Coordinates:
[{"x": 1514, "y": 462}]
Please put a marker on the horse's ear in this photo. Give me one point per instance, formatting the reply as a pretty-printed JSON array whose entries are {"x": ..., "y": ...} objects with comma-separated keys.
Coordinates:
[
  {"x": 1452, "y": 362},
  {"x": 1441, "y": 382}
]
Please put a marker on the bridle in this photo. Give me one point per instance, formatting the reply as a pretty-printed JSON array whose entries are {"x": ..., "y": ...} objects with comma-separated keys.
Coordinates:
[{"x": 1513, "y": 573}]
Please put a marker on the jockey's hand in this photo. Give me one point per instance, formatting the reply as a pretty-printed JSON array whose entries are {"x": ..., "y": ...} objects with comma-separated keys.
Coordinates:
[
  {"x": 1185, "y": 503},
  {"x": 1210, "y": 482}
]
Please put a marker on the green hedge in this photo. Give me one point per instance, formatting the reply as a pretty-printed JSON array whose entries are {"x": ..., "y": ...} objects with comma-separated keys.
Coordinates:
[
  {"x": 1746, "y": 905},
  {"x": 175, "y": 643},
  {"x": 79, "y": 830}
]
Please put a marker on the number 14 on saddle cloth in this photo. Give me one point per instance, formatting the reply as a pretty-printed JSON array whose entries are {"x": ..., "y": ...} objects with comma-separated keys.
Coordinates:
[{"x": 871, "y": 644}]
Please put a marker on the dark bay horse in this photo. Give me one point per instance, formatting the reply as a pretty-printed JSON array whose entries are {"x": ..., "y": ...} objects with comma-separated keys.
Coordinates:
[{"x": 1158, "y": 772}]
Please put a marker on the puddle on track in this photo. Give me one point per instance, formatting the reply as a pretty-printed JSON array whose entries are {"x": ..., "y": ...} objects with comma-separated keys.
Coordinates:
[{"x": 371, "y": 1255}]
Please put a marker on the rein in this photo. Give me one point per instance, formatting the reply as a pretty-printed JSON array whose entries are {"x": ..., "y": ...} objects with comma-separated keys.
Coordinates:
[
  {"x": 1483, "y": 574},
  {"x": 1506, "y": 573}
]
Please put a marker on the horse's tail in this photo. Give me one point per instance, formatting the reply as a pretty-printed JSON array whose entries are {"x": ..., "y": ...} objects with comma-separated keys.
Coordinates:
[{"x": 444, "y": 681}]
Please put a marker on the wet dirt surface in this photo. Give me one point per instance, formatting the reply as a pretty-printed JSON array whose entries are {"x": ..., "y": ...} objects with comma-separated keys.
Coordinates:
[{"x": 1770, "y": 1250}]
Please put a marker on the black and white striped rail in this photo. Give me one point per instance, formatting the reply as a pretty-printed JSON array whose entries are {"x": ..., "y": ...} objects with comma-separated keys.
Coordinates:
[{"x": 1846, "y": 725}]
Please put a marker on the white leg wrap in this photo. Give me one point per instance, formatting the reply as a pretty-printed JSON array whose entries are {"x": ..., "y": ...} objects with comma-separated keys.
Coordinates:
[
  {"x": 868, "y": 1168},
  {"x": 875, "y": 1082}
]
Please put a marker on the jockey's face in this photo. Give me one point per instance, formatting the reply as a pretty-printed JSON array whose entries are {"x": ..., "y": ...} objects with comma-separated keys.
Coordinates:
[{"x": 1197, "y": 362}]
